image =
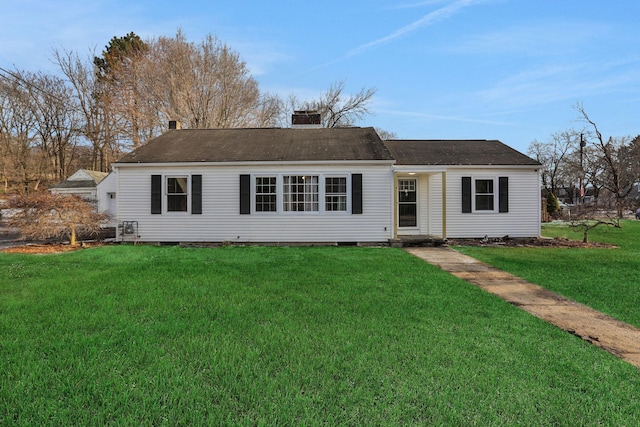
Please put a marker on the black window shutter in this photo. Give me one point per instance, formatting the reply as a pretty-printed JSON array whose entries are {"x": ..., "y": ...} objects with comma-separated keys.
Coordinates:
[
  {"x": 466, "y": 194},
  {"x": 356, "y": 193},
  {"x": 196, "y": 194},
  {"x": 156, "y": 194},
  {"x": 503, "y": 194},
  {"x": 245, "y": 194}
]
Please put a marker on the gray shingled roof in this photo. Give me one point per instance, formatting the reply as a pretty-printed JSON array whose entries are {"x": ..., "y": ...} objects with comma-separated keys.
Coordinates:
[
  {"x": 271, "y": 144},
  {"x": 79, "y": 183},
  {"x": 454, "y": 152}
]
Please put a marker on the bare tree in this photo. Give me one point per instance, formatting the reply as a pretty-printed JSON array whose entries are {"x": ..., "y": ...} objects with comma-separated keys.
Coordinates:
[
  {"x": 45, "y": 216},
  {"x": 554, "y": 156},
  {"x": 593, "y": 168},
  {"x": 205, "y": 85},
  {"x": 17, "y": 128},
  {"x": 586, "y": 218},
  {"x": 386, "y": 135},
  {"x": 336, "y": 108},
  {"x": 100, "y": 124},
  {"x": 620, "y": 160},
  {"x": 58, "y": 123},
  {"x": 269, "y": 112}
]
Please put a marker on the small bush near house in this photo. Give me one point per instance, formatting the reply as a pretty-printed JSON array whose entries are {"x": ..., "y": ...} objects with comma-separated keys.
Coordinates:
[{"x": 53, "y": 216}]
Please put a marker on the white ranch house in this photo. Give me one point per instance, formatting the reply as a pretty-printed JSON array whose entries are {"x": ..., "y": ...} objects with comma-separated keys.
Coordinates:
[{"x": 319, "y": 185}]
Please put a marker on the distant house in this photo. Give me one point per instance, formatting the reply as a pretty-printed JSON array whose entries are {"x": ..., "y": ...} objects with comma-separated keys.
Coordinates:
[
  {"x": 83, "y": 183},
  {"x": 321, "y": 185}
]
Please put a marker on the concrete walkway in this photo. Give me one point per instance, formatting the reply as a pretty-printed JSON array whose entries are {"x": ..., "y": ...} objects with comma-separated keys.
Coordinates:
[{"x": 618, "y": 338}]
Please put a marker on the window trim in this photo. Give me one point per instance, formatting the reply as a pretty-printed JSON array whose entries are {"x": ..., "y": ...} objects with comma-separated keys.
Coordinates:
[{"x": 475, "y": 194}]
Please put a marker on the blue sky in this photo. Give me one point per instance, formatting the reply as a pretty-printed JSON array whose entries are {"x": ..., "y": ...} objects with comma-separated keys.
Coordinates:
[{"x": 444, "y": 69}]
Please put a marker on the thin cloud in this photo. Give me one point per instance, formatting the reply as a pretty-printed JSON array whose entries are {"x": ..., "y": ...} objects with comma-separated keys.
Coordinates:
[
  {"x": 427, "y": 20},
  {"x": 566, "y": 82},
  {"x": 541, "y": 39}
]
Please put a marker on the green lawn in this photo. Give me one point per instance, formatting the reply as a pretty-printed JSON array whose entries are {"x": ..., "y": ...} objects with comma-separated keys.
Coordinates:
[
  {"x": 140, "y": 335},
  {"x": 607, "y": 280}
]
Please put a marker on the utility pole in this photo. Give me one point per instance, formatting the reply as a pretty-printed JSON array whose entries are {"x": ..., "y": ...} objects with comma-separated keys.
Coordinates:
[{"x": 582, "y": 189}]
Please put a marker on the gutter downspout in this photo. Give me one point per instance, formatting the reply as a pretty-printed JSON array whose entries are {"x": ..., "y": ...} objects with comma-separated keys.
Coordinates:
[
  {"x": 444, "y": 204},
  {"x": 395, "y": 206}
]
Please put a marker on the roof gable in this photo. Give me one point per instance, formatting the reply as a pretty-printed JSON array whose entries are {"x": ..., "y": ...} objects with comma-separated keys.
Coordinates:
[
  {"x": 456, "y": 152},
  {"x": 82, "y": 178},
  {"x": 270, "y": 144},
  {"x": 86, "y": 174}
]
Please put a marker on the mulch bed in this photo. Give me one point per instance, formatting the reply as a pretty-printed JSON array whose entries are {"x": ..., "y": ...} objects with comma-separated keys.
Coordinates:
[
  {"x": 53, "y": 248},
  {"x": 529, "y": 242}
]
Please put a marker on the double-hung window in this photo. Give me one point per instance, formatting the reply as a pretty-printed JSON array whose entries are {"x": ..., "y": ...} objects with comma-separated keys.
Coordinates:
[
  {"x": 484, "y": 195},
  {"x": 335, "y": 194},
  {"x": 177, "y": 192},
  {"x": 266, "y": 192},
  {"x": 300, "y": 193}
]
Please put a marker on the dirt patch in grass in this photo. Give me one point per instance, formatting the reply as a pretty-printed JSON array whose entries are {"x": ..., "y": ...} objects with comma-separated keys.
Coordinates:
[{"x": 53, "y": 248}]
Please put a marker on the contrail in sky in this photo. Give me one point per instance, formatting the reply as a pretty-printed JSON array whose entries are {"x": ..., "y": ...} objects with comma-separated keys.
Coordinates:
[{"x": 429, "y": 19}]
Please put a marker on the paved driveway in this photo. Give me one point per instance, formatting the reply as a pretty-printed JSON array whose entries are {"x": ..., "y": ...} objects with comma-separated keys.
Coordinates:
[{"x": 8, "y": 238}]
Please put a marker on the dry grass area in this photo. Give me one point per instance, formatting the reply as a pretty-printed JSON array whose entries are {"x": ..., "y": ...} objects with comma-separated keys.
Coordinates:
[{"x": 52, "y": 248}]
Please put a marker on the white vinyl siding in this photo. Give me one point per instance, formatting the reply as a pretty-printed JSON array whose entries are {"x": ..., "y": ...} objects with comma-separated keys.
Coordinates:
[
  {"x": 523, "y": 218},
  {"x": 221, "y": 220}
]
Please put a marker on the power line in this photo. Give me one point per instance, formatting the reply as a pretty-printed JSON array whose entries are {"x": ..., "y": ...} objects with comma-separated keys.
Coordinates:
[{"x": 23, "y": 82}]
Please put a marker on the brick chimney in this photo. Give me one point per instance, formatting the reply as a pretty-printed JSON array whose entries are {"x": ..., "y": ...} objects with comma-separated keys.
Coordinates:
[
  {"x": 174, "y": 125},
  {"x": 306, "y": 119}
]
